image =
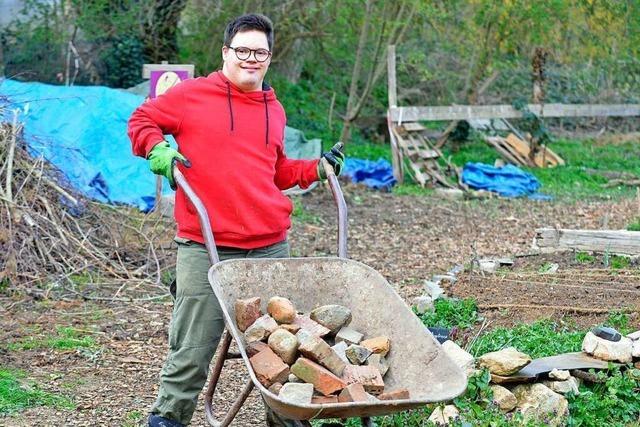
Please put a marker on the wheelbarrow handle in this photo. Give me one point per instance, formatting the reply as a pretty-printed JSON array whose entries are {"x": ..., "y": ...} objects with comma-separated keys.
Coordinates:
[{"x": 205, "y": 224}]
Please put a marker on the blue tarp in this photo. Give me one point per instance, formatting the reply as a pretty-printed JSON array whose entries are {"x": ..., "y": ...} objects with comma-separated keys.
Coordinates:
[
  {"x": 507, "y": 181},
  {"x": 377, "y": 174},
  {"x": 82, "y": 130}
]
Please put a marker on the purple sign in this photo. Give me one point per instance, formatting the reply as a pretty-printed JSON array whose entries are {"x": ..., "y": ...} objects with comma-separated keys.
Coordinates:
[{"x": 163, "y": 80}]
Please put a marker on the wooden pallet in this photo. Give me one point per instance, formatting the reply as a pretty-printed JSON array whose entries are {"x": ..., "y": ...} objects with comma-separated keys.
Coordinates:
[
  {"x": 423, "y": 158},
  {"x": 517, "y": 151}
]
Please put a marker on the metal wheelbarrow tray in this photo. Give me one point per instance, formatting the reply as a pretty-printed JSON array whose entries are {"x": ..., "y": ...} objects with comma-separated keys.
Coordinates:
[{"x": 417, "y": 362}]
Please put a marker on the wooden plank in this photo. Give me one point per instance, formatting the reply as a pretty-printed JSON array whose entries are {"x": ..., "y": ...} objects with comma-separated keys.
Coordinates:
[
  {"x": 611, "y": 241},
  {"x": 522, "y": 147},
  {"x": 391, "y": 73},
  {"x": 470, "y": 112},
  {"x": 508, "y": 155},
  {"x": 413, "y": 127}
]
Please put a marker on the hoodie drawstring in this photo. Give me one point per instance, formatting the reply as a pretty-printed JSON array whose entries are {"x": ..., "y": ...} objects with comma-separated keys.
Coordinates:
[
  {"x": 266, "y": 109},
  {"x": 229, "y": 100}
]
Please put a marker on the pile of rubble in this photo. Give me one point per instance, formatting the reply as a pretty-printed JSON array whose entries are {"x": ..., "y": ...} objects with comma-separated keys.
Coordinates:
[
  {"x": 534, "y": 387},
  {"x": 314, "y": 358}
]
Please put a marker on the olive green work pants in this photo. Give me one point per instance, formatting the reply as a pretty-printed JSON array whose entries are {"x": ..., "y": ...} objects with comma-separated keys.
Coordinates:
[{"x": 197, "y": 323}]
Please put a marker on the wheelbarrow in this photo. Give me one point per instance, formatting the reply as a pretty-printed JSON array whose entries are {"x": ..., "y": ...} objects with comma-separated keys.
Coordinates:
[{"x": 417, "y": 362}]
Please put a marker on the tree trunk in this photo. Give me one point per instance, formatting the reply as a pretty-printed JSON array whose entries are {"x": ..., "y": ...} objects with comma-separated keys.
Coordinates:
[{"x": 160, "y": 35}]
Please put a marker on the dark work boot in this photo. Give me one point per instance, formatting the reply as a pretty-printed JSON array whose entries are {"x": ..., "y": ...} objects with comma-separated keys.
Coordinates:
[{"x": 158, "y": 421}]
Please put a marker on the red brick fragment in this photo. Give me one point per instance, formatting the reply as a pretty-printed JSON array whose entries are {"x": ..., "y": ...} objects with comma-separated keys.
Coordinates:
[
  {"x": 322, "y": 379},
  {"x": 324, "y": 400},
  {"x": 367, "y": 375},
  {"x": 269, "y": 368},
  {"x": 255, "y": 347},
  {"x": 311, "y": 326},
  {"x": 353, "y": 393},
  {"x": 247, "y": 312},
  {"x": 403, "y": 393}
]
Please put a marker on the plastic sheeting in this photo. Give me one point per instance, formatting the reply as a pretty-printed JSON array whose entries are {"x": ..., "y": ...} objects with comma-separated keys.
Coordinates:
[
  {"x": 82, "y": 130},
  {"x": 507, "y": 181},
  {"x": 378, "y": 174}
]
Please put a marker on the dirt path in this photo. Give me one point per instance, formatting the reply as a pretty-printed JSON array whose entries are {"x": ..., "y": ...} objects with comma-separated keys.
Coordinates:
[{"x": 405, "y": 238}]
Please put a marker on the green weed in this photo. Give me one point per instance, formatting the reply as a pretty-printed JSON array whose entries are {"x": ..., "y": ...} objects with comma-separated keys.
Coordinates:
[
  {"x": 540, "y": 339},
  {"x": 302, "y": 215},
  {"x": 451, "y": 312},
  {"x": 66, "y": 339},
  {"x": 15, "y": 396},
  {"x": 634, "y": 225},
  {"x": 584, "y": 257},
  {"x": 133, "y": 419},
  {"x": 618, "y": 262},
  {"x": 619, "y": 320},
  {"x": 409, "y": 189}
]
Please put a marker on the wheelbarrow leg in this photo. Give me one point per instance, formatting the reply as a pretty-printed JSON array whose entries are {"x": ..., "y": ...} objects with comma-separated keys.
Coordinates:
[{"x": 213, "y": 382}]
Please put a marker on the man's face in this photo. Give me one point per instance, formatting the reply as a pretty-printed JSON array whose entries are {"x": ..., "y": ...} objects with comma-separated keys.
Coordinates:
[{"x": 247, "y": 74}]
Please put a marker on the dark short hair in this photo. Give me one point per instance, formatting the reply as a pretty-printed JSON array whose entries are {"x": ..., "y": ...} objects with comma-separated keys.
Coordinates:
[{"x": 249, "y": 22}]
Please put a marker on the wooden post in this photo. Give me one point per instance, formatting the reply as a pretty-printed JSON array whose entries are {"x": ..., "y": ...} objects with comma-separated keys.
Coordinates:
[{"x": 396, "y": 154}]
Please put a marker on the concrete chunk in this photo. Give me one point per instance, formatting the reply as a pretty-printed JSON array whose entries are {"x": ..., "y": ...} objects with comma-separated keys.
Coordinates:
[
  {"x": 260, "y": 329},
  {"x": 297, "y": 393},
  {"x": 348, "y": 335},
  {"x": 284, "y": 344},
  {"x": 378, "y": 362},
  {"x": 340, "y": 349},
  {"x": 357, "y": 354},
  {"x": 332, "y": 316}
]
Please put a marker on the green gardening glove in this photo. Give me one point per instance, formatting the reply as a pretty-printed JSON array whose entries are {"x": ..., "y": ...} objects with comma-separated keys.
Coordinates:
[
  {"x": 161, "y": 160},
  {"x": 335, "y": 157}
]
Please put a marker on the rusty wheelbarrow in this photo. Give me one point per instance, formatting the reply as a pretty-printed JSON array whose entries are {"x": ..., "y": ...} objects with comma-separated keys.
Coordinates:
[{"x": 417, "y": 362}]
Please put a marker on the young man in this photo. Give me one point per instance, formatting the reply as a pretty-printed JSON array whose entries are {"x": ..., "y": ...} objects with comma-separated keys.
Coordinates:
[{"x": 230, "y": 127}]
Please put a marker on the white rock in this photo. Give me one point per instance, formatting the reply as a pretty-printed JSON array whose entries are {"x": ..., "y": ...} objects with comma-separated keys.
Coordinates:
[
  {"x": 442, "y": 416},
  {"x": 539, "y": 402},
  {"x": 348, "y": 335},
  {"x": 635, "y": 349},
  {"x": 379, "y": 362},
  {"x": 433, "y": 289},
  {"x": 260, "y": 329},
  {"x": 300, "y": 393},
  {"x": 450, "y": 193},
  {"x": 634, "y": 336},
  {"x": 461, "y": 358},
  {"x": 560, "y": 375},
  {"x": 423, "y": 304},
  {"x": 284, "y": 344},
  {"x": 504, "y": 362},
  {"x": 340, "y": 349},
  {"x": 503, "y": 398},
  {"x": 620, "y": 351},
  {"x": 570, "y": 385},
  {"x": 488, "y": 266}
]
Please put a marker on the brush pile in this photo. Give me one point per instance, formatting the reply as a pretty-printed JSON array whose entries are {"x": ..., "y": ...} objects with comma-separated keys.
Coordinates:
[{"x": 53, "y": 239}]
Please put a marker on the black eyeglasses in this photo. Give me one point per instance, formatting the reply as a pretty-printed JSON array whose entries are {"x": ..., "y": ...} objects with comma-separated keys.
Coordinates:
[{"x": 243, "y": 53}]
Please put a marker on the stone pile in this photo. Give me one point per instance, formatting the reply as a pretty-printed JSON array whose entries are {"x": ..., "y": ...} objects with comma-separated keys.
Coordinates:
[{"x": 313, "y": 358}]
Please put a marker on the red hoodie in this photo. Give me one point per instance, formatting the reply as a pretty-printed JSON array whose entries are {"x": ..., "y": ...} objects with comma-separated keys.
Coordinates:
[{"x": 235, "y": 143}]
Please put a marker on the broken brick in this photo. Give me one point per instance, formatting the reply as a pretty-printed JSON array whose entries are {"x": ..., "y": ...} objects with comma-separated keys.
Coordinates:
[
  {"x": 269, "y": 368},
  {"x": 324, "y": 400},
  {"x": 255, "y": 347},
  {"x": 368, "y": 376},
  {"x": 281, "y": 309},
  {"x": 311, "y": 326},
  {"x": 395, "y": 395},
  {"x": 378, "y": 345},
  {"x": 290, "y": 327},
  {"x": 322, "y": 379},
  {"x": 319, "y": 351},
  {"x": 247, "y": 312},
  {"x": 353, "y": 393}
]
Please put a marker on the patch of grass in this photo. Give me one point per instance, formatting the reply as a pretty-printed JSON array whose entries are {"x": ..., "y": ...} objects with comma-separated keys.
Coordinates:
[
  {"x": 301, "y": 214},
  {"x": 451, "y": 312},
  {"x": 620, "y": 321},
  {"x": 616, "y": 400},
  {"x": 540, "y": 339},
  {"x": 133, "y": 419},
  {"x": 66, "y": 339},
  {"x": 584, "y": 257},
  {"x": 618, "y": 262},
  {"x": 15, "y": 396},
  {"x": 409, "y": 189},
  {"x": 366, "y": 150},
  {"x": 545, "y": 267},
  {"x": 634, "y": 225}
]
